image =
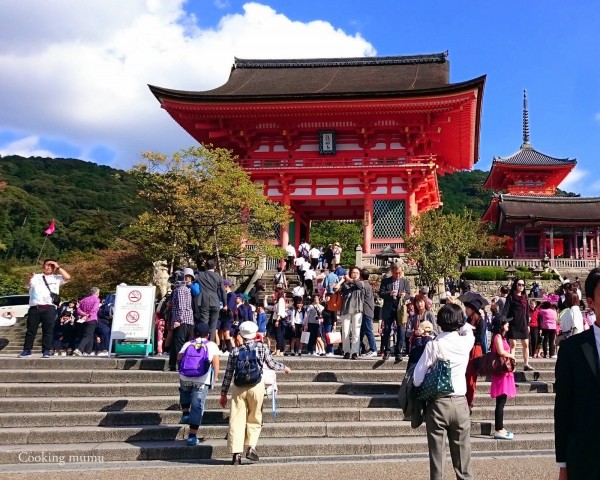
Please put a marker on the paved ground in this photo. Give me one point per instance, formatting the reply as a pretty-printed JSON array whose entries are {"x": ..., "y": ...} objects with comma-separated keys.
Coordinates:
[{"x": 529, "y": 467}]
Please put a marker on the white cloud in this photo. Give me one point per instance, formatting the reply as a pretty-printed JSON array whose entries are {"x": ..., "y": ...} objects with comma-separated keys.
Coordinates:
[
  {"x": 597, "y": 117},
  {"x": 78, "y": 71},
  {"x": 26, "y": 147},
  {"x": 573, "y": 181}
]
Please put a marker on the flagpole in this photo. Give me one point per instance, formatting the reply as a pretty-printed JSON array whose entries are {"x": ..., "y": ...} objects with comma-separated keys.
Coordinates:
[
  {"x": 49, "y": 231},
  {"x": 41, "y": 249}
]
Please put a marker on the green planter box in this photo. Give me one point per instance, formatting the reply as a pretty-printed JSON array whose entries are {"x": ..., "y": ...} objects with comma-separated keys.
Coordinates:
[{"x": 133, "y": 348}]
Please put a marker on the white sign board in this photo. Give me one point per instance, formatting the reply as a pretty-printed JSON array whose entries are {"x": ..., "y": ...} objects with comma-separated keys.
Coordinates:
[{"x": 133, "y": 316}]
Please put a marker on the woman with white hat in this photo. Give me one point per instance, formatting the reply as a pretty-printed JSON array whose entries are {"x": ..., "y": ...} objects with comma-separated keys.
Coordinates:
[{"x": 244, "y": 367}]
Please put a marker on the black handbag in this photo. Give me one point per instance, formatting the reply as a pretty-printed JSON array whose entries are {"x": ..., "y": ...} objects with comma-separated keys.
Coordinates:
[{"x": 55, "y": 296}]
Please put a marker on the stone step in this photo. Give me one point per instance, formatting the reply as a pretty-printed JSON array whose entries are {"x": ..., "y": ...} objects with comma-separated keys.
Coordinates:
[
  {"x": 141, "y": 388},
  {"x": 9, "y": 362},
  {"x": 306, "y": 429},
  {"x": 268, "y": 447},
  {"x": 137, "y": 388},
  {"x": 170, "y": 413},
  {"x": 111, "y": 383}
]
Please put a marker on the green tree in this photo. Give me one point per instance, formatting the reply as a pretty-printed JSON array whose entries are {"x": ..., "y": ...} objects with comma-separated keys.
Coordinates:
[
  {"x": 348, "y": 234},
  {"x": 202, "y": 205},
  {"x": 440, "y": 242}
]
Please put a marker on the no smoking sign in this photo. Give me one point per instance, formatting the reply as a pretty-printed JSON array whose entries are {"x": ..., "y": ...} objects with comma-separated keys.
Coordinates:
[
  {"x": 135, "y": 296},
  {"x": 132, "y": 317}
]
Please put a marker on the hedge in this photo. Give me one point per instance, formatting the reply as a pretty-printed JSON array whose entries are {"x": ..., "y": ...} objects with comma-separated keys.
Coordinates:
[{"x": 484, "y": 273}]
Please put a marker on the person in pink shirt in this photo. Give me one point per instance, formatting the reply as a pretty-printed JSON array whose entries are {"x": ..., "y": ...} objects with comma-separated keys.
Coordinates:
[
  {"x": 88, "y": 312},
  {"x": 548, "y": 322}
]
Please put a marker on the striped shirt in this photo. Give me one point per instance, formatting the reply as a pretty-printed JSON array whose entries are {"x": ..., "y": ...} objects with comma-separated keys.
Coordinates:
[
  {"x": 263, "y": 355},
  {"x": 182, "y": 306}
]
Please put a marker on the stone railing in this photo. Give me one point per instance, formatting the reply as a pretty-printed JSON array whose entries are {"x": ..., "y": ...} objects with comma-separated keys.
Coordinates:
[{"x": 558, "y": 263}]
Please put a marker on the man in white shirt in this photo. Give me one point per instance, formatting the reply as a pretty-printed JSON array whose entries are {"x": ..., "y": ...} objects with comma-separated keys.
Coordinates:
[
  {"x": 309, "y": 277},
  {"x": 448, "y": 416},
  {"x": 303, "y": 249},
  {"x": 290, "y": 251},
  {"x": 299, "y": 263},
  {"x": 44, "y": 289},
  {"x": 298, "y": 291},
  {"x": 314, "y": 254},
  {"x": 194, "y": 389}
]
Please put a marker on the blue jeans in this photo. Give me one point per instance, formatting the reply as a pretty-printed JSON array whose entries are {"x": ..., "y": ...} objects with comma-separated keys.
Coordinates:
[
  {"x": 193, "y": 396},
  {"x": 366, "y": 328},
  {"x": 328, "y": 328}
]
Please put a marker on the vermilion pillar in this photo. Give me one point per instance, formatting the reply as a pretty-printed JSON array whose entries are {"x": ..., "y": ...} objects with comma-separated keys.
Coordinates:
[{"x": 368, "y": 222}]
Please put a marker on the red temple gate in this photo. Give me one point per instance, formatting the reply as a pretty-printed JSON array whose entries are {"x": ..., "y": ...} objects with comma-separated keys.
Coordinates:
[{"x": 341, "y": 139}]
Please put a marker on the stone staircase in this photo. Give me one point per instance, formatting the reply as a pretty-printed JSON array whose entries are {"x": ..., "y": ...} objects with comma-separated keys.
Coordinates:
[
  {"x": 115, "y": 410},
  {"x": 13, "y": 337}
]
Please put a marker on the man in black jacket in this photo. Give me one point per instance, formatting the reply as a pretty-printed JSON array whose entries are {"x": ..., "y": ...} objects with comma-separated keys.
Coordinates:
[
  {"x": 394, "y": 290},
  {"x": 576, "y": 413},
  {"x": 212, "y": 297}
]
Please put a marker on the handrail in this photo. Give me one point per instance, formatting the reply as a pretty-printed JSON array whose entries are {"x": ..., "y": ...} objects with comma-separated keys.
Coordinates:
[{"x": 266, "y": 163}]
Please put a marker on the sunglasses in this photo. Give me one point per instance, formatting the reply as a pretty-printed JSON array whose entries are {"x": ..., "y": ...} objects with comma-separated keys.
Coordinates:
[{"x": 521, "y": 284}]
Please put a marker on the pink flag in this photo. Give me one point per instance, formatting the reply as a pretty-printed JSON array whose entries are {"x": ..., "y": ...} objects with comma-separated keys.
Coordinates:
[{"x": 50, "y": 229}]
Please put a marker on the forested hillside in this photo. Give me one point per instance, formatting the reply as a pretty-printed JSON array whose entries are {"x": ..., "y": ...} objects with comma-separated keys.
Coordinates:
[
  {"x": 92, "y": 204},
  {"x": 463, "y": 190}
]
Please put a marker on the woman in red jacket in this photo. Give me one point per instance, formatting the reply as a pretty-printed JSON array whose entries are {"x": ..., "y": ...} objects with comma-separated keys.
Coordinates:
[{"x": 534, "y": 328}]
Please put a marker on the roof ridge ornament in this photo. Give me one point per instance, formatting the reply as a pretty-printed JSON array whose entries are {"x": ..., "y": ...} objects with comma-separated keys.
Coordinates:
[{"x": 525, "y": 143}]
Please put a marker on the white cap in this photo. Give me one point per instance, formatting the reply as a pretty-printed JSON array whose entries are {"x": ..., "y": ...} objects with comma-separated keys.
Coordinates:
[
  {"x": 248, "y": 330},
  {"x": 188, "y": 272}
]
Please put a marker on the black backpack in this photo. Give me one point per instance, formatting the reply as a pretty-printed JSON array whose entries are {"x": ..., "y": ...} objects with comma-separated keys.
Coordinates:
[{"x": 247, "y": 368}]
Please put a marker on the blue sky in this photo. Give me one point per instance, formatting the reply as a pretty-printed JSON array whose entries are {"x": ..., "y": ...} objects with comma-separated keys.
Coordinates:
[{"x": 76, "y": 86}]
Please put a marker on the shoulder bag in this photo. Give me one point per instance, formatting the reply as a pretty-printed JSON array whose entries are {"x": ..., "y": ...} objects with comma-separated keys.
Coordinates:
[
  {"x": 55, "y": 296},
  {"x": 438, "y": 379}
]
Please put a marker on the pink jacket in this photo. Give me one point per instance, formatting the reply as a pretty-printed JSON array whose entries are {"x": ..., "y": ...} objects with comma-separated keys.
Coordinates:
[{"x": 547, "y": 318}]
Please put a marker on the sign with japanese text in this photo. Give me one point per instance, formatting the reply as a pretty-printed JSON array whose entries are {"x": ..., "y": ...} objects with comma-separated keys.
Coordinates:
[{"x": 134, "y": 313}]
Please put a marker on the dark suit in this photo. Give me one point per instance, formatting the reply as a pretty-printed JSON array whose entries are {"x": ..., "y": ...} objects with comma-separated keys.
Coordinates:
[
  {"x": 576, "y": 408},
  {"x": 389, "y": 312},
  {"x": 211, "y": 298}
]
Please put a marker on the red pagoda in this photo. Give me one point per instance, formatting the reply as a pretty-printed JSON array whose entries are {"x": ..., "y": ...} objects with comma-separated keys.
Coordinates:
[
  {"x": 541, "y": 222},
  {"x": 341, "y": 139}
]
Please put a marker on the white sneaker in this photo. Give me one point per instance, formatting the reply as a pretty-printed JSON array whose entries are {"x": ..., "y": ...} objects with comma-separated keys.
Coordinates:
[
  {"x": 329, "y": 354},
  {"x": 76, "y": 353},
  {"x": 102, "y": 354},
  {"x": 370, "y": 354},
  {"x": 63, "y": 354}
]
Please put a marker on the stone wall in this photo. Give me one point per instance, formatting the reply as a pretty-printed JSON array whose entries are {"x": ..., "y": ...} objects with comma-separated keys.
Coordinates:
[{"x": 489, "y": 289}]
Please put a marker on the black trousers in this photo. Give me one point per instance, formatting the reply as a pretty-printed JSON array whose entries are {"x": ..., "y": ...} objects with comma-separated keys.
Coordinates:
[
  {"x": 499, "y": 412},
  {"x": 280, "y": 335},
  {"x": 549, "y": 339},
  {"x": 209, "y": 315},
  {"x": 87, "y": 340},
  {"x": 309, "y": 287},
  {"x": 47, "y": 316},
  {"x": 313, "y": 328},
  {"x": 534, "y": 336},
  {"x": 180, "y": 335},
  {"x": 386, "y": 332}
]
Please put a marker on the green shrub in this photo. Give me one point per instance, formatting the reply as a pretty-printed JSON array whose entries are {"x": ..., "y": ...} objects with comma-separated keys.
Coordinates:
[
  {"x": 549, "y": 276},
  {"x": 486, "y": 274}
]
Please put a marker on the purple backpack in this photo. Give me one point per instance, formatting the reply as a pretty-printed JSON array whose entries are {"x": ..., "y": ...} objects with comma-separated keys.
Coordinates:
[{"x": 195, "y": 362}]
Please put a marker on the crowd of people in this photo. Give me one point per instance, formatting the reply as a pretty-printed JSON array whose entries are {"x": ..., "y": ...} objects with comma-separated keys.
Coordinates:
[
  {"x": 75, "y": 327},
  {"x": 204, "y": 316}
]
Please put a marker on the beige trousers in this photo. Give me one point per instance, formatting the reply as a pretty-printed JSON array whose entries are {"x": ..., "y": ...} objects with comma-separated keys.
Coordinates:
[{"x": 245, "y": 417}]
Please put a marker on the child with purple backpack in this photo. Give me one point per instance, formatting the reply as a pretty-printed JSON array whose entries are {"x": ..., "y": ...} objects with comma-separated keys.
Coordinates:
[{"x": 198, "y": 371}]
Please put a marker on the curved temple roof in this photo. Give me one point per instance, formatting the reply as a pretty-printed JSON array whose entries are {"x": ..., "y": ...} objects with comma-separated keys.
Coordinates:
[{"x": 318, "y": 78}]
